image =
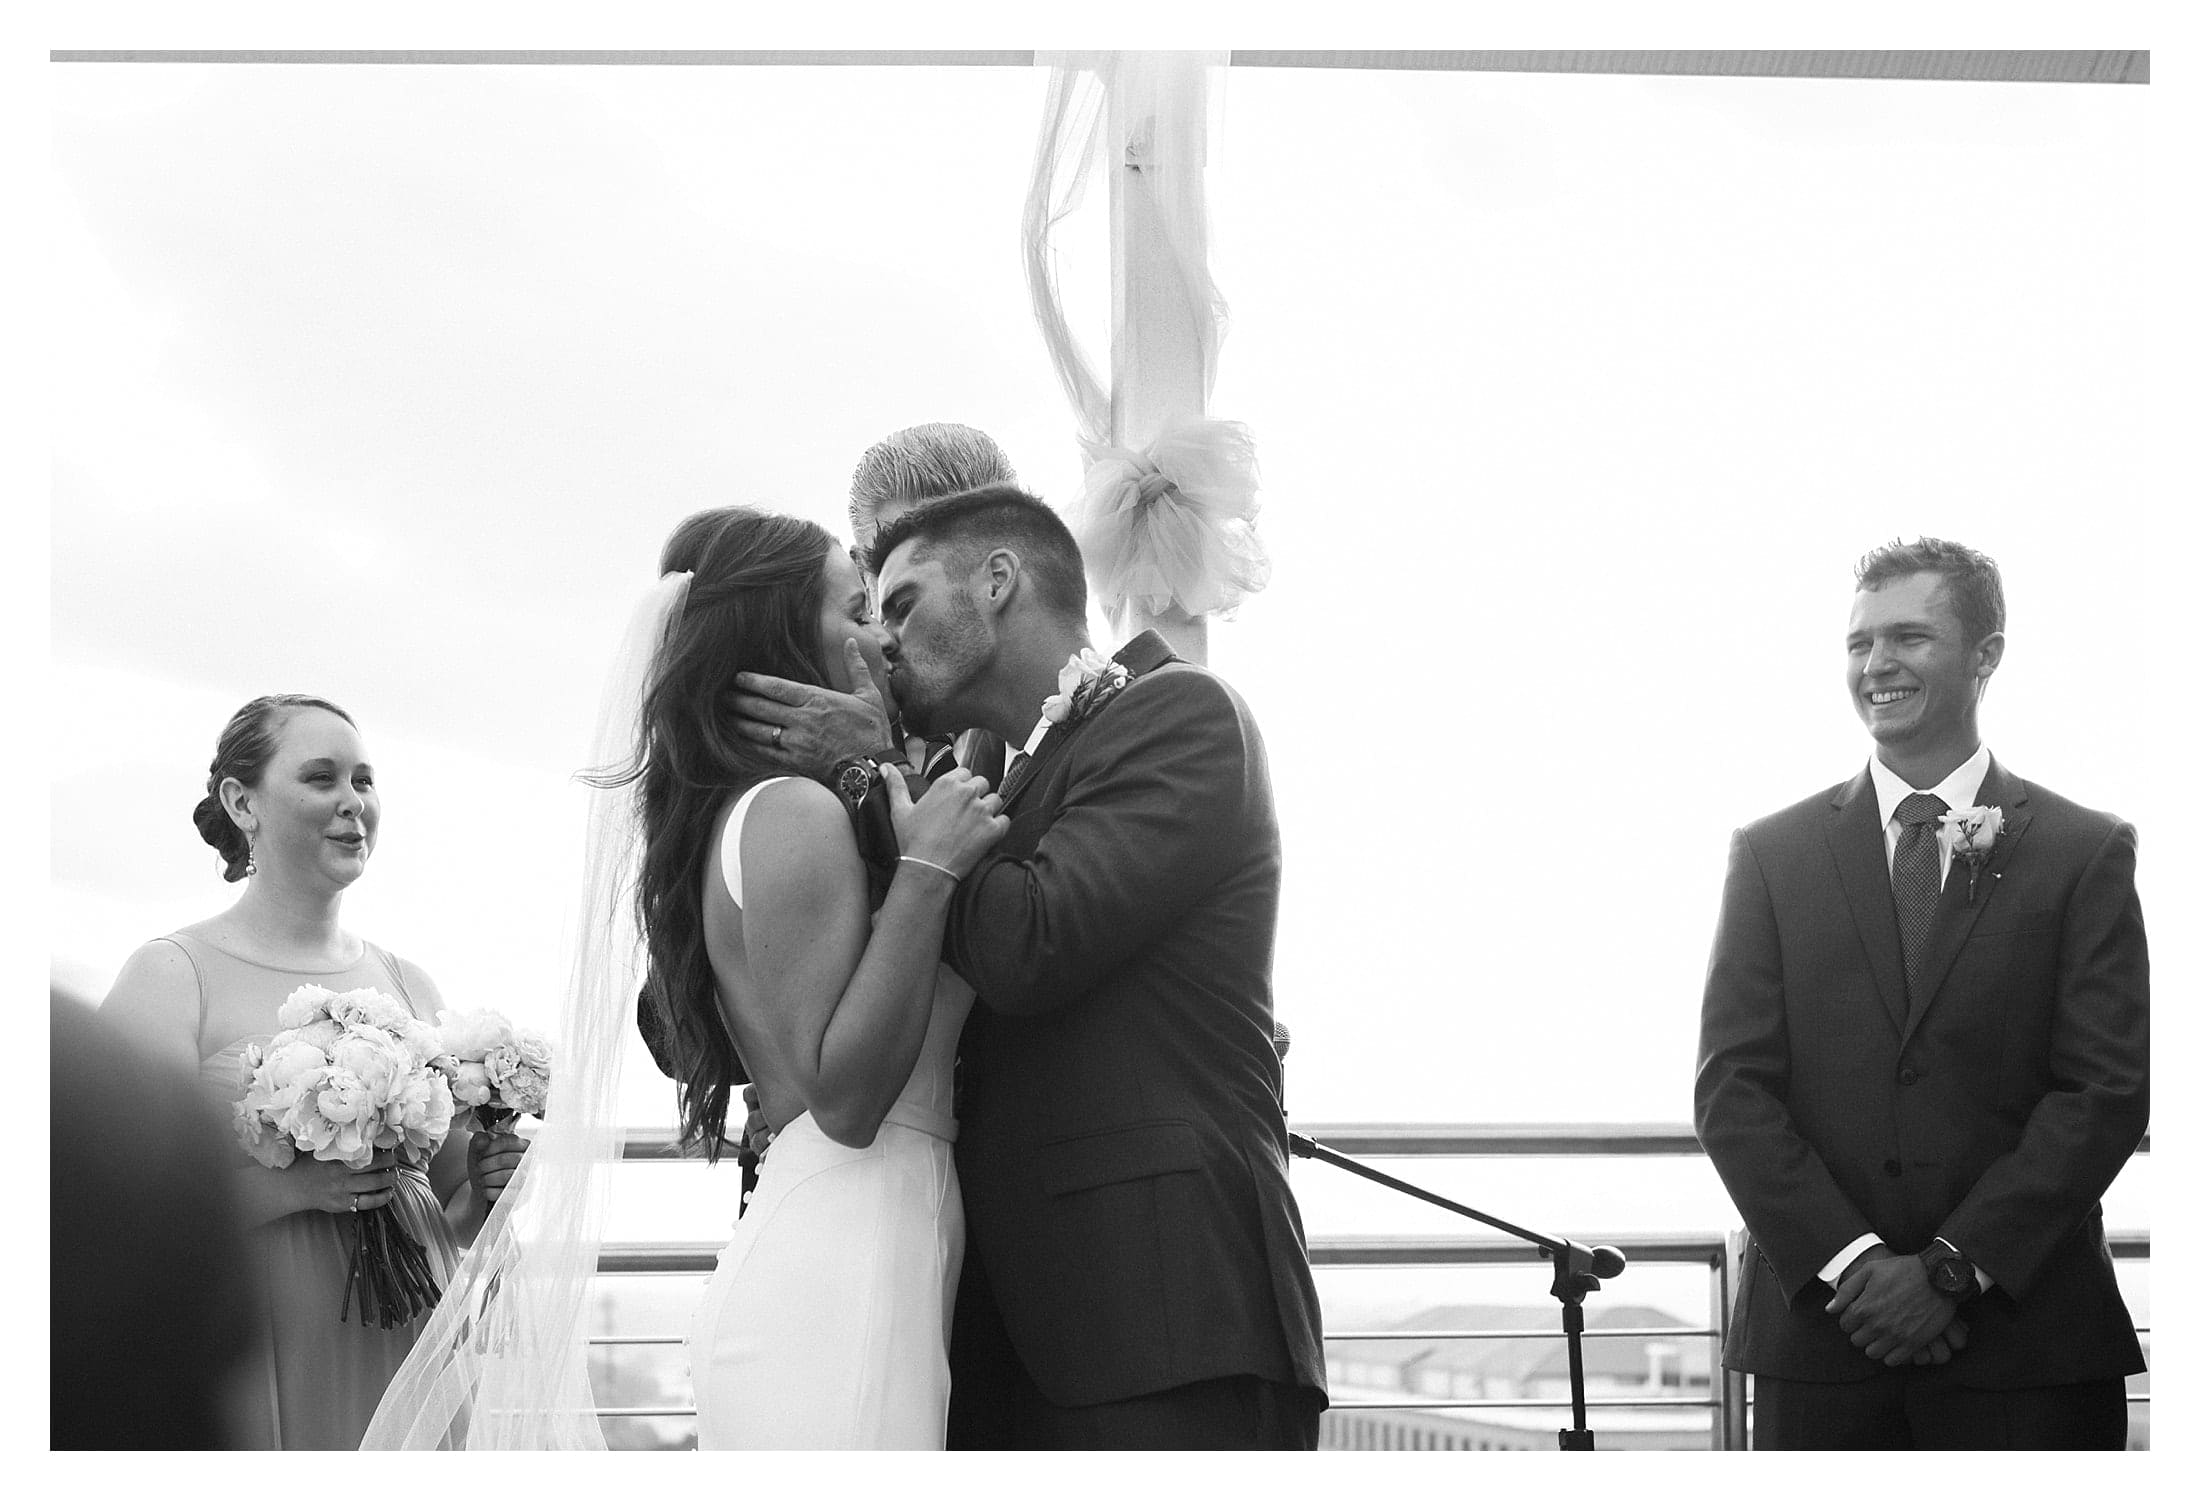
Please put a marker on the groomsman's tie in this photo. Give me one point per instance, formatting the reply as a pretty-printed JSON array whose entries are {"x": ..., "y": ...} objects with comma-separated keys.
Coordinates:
[
  {"x": 1917, "y": 880},
  {"x": 1019, "y": 771}
]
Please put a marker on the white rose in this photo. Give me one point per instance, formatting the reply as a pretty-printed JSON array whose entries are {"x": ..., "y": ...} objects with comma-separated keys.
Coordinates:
[
  {"x": 527, "y": 1090},
  {"x": 1971, "y": 831},
  {"x": 500, "y": 1061},
  {"x": 534, "y": 1051}
]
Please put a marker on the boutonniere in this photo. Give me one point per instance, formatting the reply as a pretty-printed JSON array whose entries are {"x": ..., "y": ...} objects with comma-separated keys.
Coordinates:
[
  {"x": 1968, "y": 834},
  {"x": 1086, "y": 681}
]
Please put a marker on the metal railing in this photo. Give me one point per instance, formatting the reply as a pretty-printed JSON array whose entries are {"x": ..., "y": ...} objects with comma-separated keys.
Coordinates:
[{"x": 1727, "y": 1402}]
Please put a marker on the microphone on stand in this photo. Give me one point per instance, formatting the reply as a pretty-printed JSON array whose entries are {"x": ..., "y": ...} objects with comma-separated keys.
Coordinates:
[{"x": 1577, "y": 1270}]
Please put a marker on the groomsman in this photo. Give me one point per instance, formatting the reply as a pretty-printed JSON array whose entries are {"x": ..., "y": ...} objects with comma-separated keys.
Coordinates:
[{"x": 1923, "y": 1060}]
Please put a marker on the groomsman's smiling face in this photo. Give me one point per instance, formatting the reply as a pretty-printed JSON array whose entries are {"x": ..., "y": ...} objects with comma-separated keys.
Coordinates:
[
  {"x": 1914, "y": 680},
  {"x": 938, "y": 641}
]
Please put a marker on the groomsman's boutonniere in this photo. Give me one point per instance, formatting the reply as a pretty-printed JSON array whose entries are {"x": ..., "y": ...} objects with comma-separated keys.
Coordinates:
[
  {"x": 1085, "y": 682},
  {"x": 1968, "y": 834}
]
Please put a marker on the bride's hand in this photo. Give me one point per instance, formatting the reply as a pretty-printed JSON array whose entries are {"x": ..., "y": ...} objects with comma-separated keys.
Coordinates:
[
  {"x": 953, "y": 826},
  {"x": 333, "y": 1188}
]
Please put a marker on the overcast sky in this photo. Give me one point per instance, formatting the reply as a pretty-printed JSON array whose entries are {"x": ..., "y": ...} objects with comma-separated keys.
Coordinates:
[{"x": 1576, "y": 398}]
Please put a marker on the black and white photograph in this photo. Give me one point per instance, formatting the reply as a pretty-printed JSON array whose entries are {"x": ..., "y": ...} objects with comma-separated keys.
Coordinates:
[{"x": 905, "y": 743}]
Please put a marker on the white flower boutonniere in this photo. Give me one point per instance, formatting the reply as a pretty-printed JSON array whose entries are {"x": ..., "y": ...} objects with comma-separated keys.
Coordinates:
[
  {"x": 1085, "y": 682},
  {"x": 1968, "y": 834}
]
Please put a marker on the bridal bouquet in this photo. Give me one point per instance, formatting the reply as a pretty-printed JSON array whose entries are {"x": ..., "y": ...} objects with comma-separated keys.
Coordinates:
[
  {"x": 353, "y": 1074},
  {"x": 497, "y": 1072}
]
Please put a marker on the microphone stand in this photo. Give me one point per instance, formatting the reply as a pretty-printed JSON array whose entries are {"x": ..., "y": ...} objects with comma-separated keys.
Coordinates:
[{"x": 1577, "y": 1270}]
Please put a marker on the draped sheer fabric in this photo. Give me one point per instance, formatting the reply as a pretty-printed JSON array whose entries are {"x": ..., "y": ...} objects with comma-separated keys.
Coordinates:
[
  {"x": 1166, "y": 518},
  {"x": 503, "y": 1361}
]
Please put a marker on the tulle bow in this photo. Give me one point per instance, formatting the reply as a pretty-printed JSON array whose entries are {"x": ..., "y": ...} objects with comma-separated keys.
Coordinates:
[{"x": 1172, "y": 523}]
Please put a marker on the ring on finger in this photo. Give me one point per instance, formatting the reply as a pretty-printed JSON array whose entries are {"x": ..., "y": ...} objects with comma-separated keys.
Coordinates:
[
  {"x": 779, "y": 733},
  {"x": 355, "y": 1203}
]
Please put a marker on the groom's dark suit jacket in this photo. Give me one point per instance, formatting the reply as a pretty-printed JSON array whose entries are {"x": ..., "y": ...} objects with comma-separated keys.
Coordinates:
[
  {"x": 1122, "y": 1147},
  {"x": 1993, "y": 1112}
]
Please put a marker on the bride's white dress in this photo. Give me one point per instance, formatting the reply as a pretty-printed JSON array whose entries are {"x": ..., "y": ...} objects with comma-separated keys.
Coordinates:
[{"x": 825, "y": 1325}]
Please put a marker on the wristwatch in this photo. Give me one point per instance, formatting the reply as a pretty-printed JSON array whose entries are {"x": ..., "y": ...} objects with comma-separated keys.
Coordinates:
[
  {"x": 1947, "y": 1270},
  {"x": 853, "y": 779}
]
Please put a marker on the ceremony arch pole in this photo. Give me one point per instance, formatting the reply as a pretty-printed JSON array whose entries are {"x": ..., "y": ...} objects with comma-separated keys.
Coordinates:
[
  {"x": 1161, "y": 369},
  {"x": 1167, "y": 510}
]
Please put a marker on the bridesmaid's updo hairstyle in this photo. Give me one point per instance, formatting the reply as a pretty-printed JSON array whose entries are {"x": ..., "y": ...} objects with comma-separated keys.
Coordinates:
[
  {"x": 247, "y": 741},
  {"x": 753, "y": 606}
]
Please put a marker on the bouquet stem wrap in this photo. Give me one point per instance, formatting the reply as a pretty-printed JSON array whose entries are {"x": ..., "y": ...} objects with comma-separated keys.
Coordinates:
[{"x": 389, "y": 1272}]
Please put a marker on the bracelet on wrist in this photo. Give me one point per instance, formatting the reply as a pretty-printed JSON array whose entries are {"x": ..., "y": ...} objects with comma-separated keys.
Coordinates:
[{"x": 931, "y": 865}]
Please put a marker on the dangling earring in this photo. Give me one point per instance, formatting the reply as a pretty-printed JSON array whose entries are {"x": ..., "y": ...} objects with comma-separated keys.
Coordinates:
[{"x": 251, "y": 866}]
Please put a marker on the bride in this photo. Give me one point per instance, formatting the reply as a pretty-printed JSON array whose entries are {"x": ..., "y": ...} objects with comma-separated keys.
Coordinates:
[{"x": 826, "y": 1323}]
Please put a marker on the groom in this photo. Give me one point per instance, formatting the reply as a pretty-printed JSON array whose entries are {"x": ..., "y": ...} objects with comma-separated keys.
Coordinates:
[
  {"x": 1136, "y": 1271},
  {"x": 1924, "y": 1058}
]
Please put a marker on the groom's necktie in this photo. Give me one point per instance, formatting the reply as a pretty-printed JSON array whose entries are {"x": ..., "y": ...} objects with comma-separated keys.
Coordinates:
[{"x": 1916, "y": 880}]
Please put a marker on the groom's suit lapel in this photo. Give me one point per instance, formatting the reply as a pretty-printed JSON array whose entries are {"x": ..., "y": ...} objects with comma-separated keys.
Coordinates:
[
  {"x": 1141, "y": 654},
  {"x": 1859, "y": 843},
  {"x": 1960, "y": 908}
]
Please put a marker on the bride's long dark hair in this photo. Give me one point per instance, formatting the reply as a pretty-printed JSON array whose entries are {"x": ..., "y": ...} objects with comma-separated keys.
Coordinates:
[{"x": 753, "y": 606}]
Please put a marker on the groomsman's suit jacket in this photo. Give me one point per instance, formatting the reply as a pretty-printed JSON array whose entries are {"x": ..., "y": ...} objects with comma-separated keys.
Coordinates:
[
  {"x": 1122, "y": 1147},
  {"x": 1994, "y": 1111}
]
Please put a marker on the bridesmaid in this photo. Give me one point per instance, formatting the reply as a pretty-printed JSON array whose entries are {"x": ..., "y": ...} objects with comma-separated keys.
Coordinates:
[{"x": 291, "y": 807}]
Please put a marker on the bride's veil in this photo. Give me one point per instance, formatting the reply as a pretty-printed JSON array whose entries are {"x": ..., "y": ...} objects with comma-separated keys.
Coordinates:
[{"x": 503, "y": 1361}]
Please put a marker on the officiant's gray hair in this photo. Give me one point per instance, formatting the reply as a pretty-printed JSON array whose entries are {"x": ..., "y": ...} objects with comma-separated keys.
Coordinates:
[
  {"x": 922, "y": 463},
  {"x": 1974, "y": 579}
]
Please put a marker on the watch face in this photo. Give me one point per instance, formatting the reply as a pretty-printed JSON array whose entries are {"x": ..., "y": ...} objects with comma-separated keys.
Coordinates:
[
  {"x": 1948, "y": 1273},
  {"x": 855, "y": 781}
]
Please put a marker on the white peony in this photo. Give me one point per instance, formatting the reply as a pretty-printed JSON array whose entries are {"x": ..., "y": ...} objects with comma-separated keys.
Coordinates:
[
  {"x": 468, "y": 1035},
  {"x": 307, "y": 1003}
]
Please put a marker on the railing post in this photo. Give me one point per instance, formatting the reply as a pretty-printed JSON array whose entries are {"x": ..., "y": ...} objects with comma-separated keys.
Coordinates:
[{"x": 1730, "y": 1427}]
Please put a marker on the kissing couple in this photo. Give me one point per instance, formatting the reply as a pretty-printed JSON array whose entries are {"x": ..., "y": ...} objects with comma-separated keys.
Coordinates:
[{"x": 1026, "y": 1184}]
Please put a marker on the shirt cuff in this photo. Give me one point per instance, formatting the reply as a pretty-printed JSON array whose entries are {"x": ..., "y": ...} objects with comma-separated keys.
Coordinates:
[{"x": 1830, "y": 1273}]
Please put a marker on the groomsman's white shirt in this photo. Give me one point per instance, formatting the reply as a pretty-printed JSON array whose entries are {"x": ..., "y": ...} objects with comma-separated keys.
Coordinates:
[{"x": 1959, "y": 789}]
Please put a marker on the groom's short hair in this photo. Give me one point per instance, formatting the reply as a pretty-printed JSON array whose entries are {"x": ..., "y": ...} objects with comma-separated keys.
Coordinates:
[
  {"x": 1974, "y": 580},
  {"x": 964, "y": 528}
]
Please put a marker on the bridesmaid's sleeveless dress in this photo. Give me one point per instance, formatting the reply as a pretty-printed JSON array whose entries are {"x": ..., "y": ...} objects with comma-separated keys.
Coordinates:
[{"x": 318, "y": 1380}]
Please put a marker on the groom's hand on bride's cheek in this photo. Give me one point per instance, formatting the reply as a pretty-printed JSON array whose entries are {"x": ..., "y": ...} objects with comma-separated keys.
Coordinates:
[{"x": 804, "y": 729}]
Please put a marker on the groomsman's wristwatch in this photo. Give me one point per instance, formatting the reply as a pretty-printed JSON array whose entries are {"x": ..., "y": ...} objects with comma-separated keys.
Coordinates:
[
  {"x": 860, "y": 788},
  {"x": 1949, "y": 1272},
  {"x": 852, "y": 779}
]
